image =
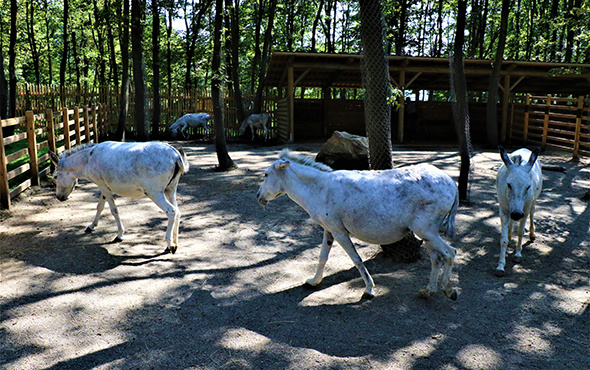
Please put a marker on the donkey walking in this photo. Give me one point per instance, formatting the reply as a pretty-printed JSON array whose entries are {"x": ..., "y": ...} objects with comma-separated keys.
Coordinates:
[
  {"x": 378, "y": 207},
  {"x": 518, "y": 184},
  {"x": 131, "y": 170}
]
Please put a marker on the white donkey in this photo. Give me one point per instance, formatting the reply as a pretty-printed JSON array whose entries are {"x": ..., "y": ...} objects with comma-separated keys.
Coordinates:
[
  {"x": 378, "y": 207},
  {"x": 193, "y": 120},
  {"x": 256, "y": 121},
  {"x": 518, "y": 185},
  {"x": 132, "y": 170}
]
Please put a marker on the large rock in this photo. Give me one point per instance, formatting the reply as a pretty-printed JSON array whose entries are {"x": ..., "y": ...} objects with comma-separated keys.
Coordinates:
[{"x": 344, "y": 151}]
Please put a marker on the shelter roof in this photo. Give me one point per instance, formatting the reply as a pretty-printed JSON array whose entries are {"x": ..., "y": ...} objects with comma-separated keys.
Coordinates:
[{"x": 423, "y": 73}]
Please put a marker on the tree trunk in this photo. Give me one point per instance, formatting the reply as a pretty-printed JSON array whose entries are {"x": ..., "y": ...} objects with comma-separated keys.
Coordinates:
[
  {"x": 3, "y": 87},
  {"x": 12, "y": 62},
  {"x": 141, "y": 108},
  {"x": 30, "y": 27},
  {"x": 377, "y": 88},
  {"x": 156, "y": 68},
  {"x": 64, "y": 55},
  {"x": 124, "y": 101},
  {"x": 169, "y": 51},
  {"x": 225, "y": 161},
  {"x": 401, "y": 36},
  {"x": 460, "y": 109},
  {"x": 114, "y": 79},
  {"x": 235, "y": 61},
  {"x": 315, "y": 25},
  {"x": 264, "y": 56},
  {"x": 491, "y": 106},
  {"x": 47, "y": 38}
]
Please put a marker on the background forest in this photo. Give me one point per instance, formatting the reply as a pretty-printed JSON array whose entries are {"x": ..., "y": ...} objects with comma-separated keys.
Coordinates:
[{"x": 83, "y": 43}]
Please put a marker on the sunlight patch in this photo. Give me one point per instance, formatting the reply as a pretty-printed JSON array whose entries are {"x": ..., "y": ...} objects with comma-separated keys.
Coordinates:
[
  {"x": 407, "y": 356},
  {"x": 479, "y": 357},
  {"x": 244, "y": 339},
  {"x": 532, "y": 341}
]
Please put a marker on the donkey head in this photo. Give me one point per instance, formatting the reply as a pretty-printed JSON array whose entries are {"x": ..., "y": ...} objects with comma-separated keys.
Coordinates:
[{"x": 518, "y": 184}]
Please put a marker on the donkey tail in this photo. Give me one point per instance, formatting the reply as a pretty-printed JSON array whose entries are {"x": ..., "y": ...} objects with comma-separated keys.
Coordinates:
[
  {"x": 182, "y": 162},
  {"x": 448, "y": 223}
]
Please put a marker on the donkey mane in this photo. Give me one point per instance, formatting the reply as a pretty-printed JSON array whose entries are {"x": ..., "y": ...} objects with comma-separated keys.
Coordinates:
[
  {"x": 304, "y": 160},
  {"x": 76, "y": 150}
]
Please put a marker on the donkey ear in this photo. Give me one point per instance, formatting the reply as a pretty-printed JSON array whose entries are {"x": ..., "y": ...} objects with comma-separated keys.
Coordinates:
[
  {"x": 504, "y": 156},
  {"x": 54, "y": 158},
  {"x": 284, "y": 164},
  {"x": 534, "y": 156}
]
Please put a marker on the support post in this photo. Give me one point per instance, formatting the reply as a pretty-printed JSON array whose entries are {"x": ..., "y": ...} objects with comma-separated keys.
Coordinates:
[
  {"x": 4, "y": 188},
  {"x": 77, "y": 125},
  {"x": 32, "y": 139},
  {"x": 546, "y": 122},
  {"x": 527, "y": 108},
  {"x": 577, "y": 136},
  {"x": 66, "y": 120},
  {"x": 505, "y": 98},
  {"x": 291, "y": 103},
  {"x": 402, "y": 107}
]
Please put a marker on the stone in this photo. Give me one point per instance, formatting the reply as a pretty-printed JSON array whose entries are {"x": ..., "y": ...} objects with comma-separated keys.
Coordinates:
[{"x": 344, "y": 151}]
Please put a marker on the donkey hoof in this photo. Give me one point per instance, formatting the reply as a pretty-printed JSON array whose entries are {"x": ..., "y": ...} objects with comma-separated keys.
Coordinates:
[
  {"x": 88, "y": 230},
  {"x": 517, "y": 259},
  {"x": 499, "y": 273},
  {"x": 117, "y": 239},
  {"x": 425, "y": 293},
  {"x": 452, "y": 296},
  {"x": 309, "y": 286},
  {"x": 171, "y": 248},
  {"x": 367, "y": 296}
]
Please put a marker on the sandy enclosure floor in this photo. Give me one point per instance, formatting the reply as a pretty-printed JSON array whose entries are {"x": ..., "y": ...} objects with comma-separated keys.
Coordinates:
[{"x": 232, "y": 296}]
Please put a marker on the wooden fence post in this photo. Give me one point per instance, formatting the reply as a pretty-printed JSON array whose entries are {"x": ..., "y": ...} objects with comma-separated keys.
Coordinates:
[
  {"x": 50, "y": 130},
  {"x": 577, "y": 137},
  {"x": 527, "y": 109},
  {"x": 4, "y": 188},
  {"x": 77, "y": 125},
  {"x": 66, "y": 120},
  {"x": 32, "y": 139},
  {"x": 86, "y": 124},
  {"x": 546, "y": 122},
  {"x": 95, "y": 123}
]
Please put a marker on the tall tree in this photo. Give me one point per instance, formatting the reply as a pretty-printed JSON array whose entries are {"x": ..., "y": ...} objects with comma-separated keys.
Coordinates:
[
  {"x": 141, "y": 116},
  {"x": 265, "y": 55},
  {"x": 225, "y": 161},
  {"x": 64, "y": 55},
  {"x": 156, "y": 105},
  {"x": 124, "y": 99},
  {"x": 377, "y": 87},
  {"x": 460, "y": 109},
  {"x": 12, "y": 60},
  {"x": 234, "y": 46},
  {"x": 30, "y": 27},
  {"x": 491, "y": 106}
]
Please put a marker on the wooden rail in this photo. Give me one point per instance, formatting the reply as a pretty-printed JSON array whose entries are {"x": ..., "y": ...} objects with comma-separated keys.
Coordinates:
[
  {"x": 562, "y": 123},
  {"x": 57, "y": 131}
]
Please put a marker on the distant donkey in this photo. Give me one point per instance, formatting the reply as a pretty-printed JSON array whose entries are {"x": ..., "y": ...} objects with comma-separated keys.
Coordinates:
[
  {"x": 193, "y": 120},
  {"x": 256, "y": 121},
  {"x": 518, "y": 185}
]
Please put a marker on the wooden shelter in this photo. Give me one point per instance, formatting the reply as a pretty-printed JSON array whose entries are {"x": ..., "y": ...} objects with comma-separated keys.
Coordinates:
[{"x": 288, "y": 70}]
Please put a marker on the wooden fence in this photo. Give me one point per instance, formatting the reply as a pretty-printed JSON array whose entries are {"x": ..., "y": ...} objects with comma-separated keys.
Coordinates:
[
  {"x": 24, "y": 156},
  {"x": 174, "y": 104},
  {"x": 548, "y": 121}
]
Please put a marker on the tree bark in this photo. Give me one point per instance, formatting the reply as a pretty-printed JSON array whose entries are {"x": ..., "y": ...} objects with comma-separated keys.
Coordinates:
[
  {"x": 124, "y": 100},
  {"x": 491, "y": 106},
  {"x": 141, "y": 116},
  {"x": 460, "y": 109},
  {"x": 377, "y": 88},
  {"x": 264, "y": 56},
  {"x": 225, "y": 161},
  {"x": 64, "y": 55},
  {"x": 235, "y": 58},
  {"x": 156, "y": 68},
  {"x": 12, "y": 61},
  {"x": 30, "y": 27}
]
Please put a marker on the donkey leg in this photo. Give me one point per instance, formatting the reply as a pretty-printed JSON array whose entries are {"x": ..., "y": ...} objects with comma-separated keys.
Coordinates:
[
  {"x": 172, "y": 213},
  {"x": 99, "y": 209},
  {"x": 517, "y": 258},
  {"x": 532, "y": 223},
  {"x": 504, "y": 239},
  {"x": 442, "y": 257},
  {"x": 171, "y": 196},
  {"x": 115, "y": 212},
  {"x": 344, "y": 240},
  {"x": 324, "y": 253}
]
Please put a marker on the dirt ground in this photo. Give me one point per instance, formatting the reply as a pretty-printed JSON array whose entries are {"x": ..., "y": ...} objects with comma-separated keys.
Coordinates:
[{"x": 232, "y": 296}]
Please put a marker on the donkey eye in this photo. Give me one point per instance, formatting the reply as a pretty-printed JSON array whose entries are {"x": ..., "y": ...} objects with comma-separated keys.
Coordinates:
[
  {"x": 266, "y": 175},
  {"x": 509, "y": 186},
  {"x": 528, "y": 187}
]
